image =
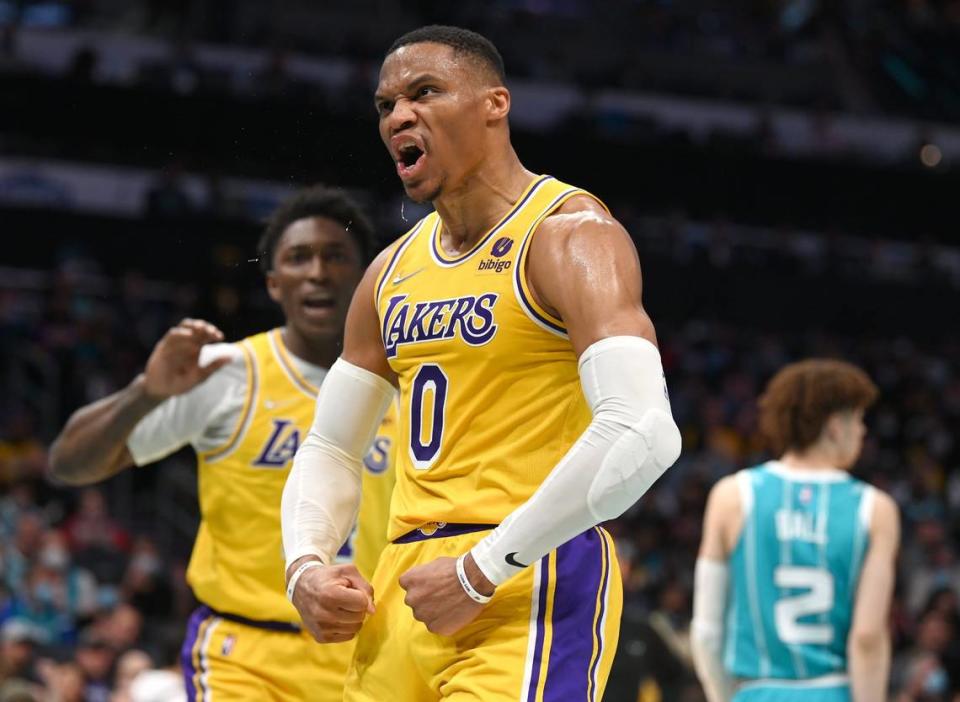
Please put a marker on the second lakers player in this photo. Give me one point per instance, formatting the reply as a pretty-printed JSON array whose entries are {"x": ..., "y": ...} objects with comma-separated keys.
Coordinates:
[
  {"x": 533, "y": 407},
  {"x": 245, "y": 408}
]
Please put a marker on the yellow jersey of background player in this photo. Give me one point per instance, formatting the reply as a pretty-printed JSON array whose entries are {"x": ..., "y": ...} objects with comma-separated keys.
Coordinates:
[{"x": 245, "y": 408}]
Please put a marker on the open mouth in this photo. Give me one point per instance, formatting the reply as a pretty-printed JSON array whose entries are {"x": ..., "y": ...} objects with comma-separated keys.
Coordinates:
[
  {"x": 319, "y": 304},
  {"x": 410, "y": 154},
  {"x": 410, "y": 158}
]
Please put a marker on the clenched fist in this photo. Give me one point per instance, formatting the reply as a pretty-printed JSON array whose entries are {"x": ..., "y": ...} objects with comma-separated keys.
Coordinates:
[{"x": 333, "y": 601}]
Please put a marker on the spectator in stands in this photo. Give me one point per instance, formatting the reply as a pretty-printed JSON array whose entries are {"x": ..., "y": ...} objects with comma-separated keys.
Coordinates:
[
  {"x": 17, "y": 553},
  {"x": 18, "y": 643},
  {"x": 92, "y": 526},
  {"x": 920, "y": 673},
  {"x": 146, "y": 584},
  {"x": 130, "y": 665},
  {"x": 95, "y": 655}
]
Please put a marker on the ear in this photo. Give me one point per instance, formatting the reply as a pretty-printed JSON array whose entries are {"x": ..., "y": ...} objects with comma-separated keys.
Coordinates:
[
  {"x": 498, "y": 103},
  {"x": 833, "y": 428},
  {"x": 273, "y": 288}
]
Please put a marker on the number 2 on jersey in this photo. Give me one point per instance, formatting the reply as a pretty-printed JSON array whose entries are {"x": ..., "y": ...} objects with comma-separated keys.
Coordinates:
[
  {"x": 428, "y": 402},
  {"x": 818, "y": 600}
]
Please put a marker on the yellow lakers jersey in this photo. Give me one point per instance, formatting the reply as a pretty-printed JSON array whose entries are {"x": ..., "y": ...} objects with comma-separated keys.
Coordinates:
[
  {"x": 237, "y": 565},
  {"x": 490, "y": 395}
]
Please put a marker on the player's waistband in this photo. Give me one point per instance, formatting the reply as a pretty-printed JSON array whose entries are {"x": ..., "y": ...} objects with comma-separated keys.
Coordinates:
[
  {"x": 439, "y": 530},
  {"x": 286, "y": 627},
  {"x": 831, "y": 680}
]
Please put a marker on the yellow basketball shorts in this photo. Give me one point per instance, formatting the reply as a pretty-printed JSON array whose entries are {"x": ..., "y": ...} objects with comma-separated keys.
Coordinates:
[
  {"x": 548, "y": 635},
  {"x": 226, "y": 659}
]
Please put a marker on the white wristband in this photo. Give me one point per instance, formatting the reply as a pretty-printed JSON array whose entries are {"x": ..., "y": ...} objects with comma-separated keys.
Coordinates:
[
  {"x": 468, "y": 586},
  {"x": 292, "y": 585}
]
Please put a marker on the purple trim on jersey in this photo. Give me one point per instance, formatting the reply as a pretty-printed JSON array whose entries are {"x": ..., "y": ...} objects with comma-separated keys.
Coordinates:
[
  {"x": 199, "y": 616},
  {"x": 518, "y": 271},
  {"x": 442, "y": 530},
  {"x": 443, "y": 260},
  {"x": 541, "y": 628},
  {"x": 580, "y": 576},
  {"x": 396, "y": 255}
]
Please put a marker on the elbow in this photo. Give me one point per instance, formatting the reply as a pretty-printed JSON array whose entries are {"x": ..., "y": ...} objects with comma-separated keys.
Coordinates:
[
  {"x": 58, "y": 470},
  {"x": 868, "y": 640},
  {"x": 63, "y": 469},
  {"x": 633, "y": 463}
]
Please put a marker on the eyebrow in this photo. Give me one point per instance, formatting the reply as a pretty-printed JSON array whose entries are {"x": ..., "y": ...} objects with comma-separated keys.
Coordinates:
[{"x": 422, "y": 78}]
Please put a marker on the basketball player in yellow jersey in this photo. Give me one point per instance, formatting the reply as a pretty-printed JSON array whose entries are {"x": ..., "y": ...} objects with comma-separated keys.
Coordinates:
[
  {"x": 533, "y": 407},
  {"x": 245, "y": 408}
]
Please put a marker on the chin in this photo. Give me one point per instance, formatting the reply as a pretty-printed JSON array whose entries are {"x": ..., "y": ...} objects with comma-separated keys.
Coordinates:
[
  {"x": 422, "y": 193},
  {"x": 324, "y": 332}
]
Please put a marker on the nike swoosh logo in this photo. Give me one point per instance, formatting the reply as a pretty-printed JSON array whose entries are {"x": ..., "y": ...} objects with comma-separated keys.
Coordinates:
[
  {"x": 509, "y": 558},
  {"x": 400, "y": 278}
]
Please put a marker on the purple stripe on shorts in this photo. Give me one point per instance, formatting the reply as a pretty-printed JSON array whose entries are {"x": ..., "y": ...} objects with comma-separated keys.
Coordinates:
[
  {"x": 598, "y": 632},
  {"x": 541, "y": 614},
  {"x": 579, "y": 578},
  {"x": 186, "y": 651}
]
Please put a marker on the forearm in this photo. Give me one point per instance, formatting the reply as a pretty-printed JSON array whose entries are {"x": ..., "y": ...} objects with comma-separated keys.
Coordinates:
[
  {"x": 92, "y": 445},
  {"x": 322, "y": 493},
  {"x": 869, "y": 669},
  {"x": 711, "y": 581},
  {"x": 320, "y": 502},
  {"x": 631, "y": 441}
]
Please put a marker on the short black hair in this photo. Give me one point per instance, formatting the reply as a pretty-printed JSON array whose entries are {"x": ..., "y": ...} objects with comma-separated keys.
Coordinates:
[
  {"x": 316, "y": 201},
  {"x": 461, "y": 40}
]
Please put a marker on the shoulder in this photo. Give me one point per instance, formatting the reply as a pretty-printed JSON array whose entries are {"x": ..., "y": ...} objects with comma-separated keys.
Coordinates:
[
  {"x": 725, "y": 494},
  {"x": 579, "y": 217},
  {"x": 579, "y": 232},
  {"x": 886, "y": 515}
]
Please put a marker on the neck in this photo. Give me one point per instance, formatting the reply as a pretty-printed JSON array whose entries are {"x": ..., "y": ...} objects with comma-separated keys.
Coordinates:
[
  {"x": 473, "y": 208},
  {"x": 813, "y": 458},
  {"x": 321, "y": 352}
]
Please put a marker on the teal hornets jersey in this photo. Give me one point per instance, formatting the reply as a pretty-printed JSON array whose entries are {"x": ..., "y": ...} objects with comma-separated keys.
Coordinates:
[{"x": 794, "y": 572}]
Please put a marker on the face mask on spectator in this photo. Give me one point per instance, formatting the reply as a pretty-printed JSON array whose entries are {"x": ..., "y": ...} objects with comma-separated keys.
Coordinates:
[
  {"x": 54, "y": 558},
  {"x": 43, "y": 593},
  {"x": 146, "y": 563}
]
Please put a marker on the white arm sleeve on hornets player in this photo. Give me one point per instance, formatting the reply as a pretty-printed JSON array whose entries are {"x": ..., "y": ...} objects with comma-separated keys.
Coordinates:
[
  {"x": 706, "y": 631},
  {"x": 322, "y": 493},
  {"x": 631, "y": 441}
]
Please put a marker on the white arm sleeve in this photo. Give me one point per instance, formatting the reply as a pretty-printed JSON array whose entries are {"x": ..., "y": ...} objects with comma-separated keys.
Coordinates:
[
  {"x": 631, "y": 441},
  {"x": 204, "y": 417},
  {"x": 706, "y": 631},
  {"x": 322, "y": 493}
]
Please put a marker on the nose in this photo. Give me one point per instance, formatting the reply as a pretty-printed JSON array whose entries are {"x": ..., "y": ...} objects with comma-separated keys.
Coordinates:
[
  {"x": 402, "y": 116},
  {"x": 319, "y": 271}
]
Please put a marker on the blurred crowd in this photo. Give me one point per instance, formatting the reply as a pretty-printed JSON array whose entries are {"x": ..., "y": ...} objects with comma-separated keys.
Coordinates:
[
  {"x": 91, "y": 594},
  {"x": 854, "y": 54}
]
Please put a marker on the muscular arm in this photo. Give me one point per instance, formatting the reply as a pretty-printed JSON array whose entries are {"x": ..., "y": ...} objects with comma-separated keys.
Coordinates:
[
  {"x": 868, "y": 647},
  {"x": 584, "y": 269},
  {"x": 711, "y": 579},
  {"x": 93, "y": 444}
]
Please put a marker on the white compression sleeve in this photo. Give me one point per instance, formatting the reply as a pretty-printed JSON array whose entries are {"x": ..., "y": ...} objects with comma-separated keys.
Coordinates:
[
  {"x": 631, "y": 441},
  {"x": 706, "y": 631},
  {"x": 322, "y": 493}
]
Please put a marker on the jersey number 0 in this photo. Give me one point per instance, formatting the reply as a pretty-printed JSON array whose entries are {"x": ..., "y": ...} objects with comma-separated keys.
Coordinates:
[{"x": 426, "y": 427}]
